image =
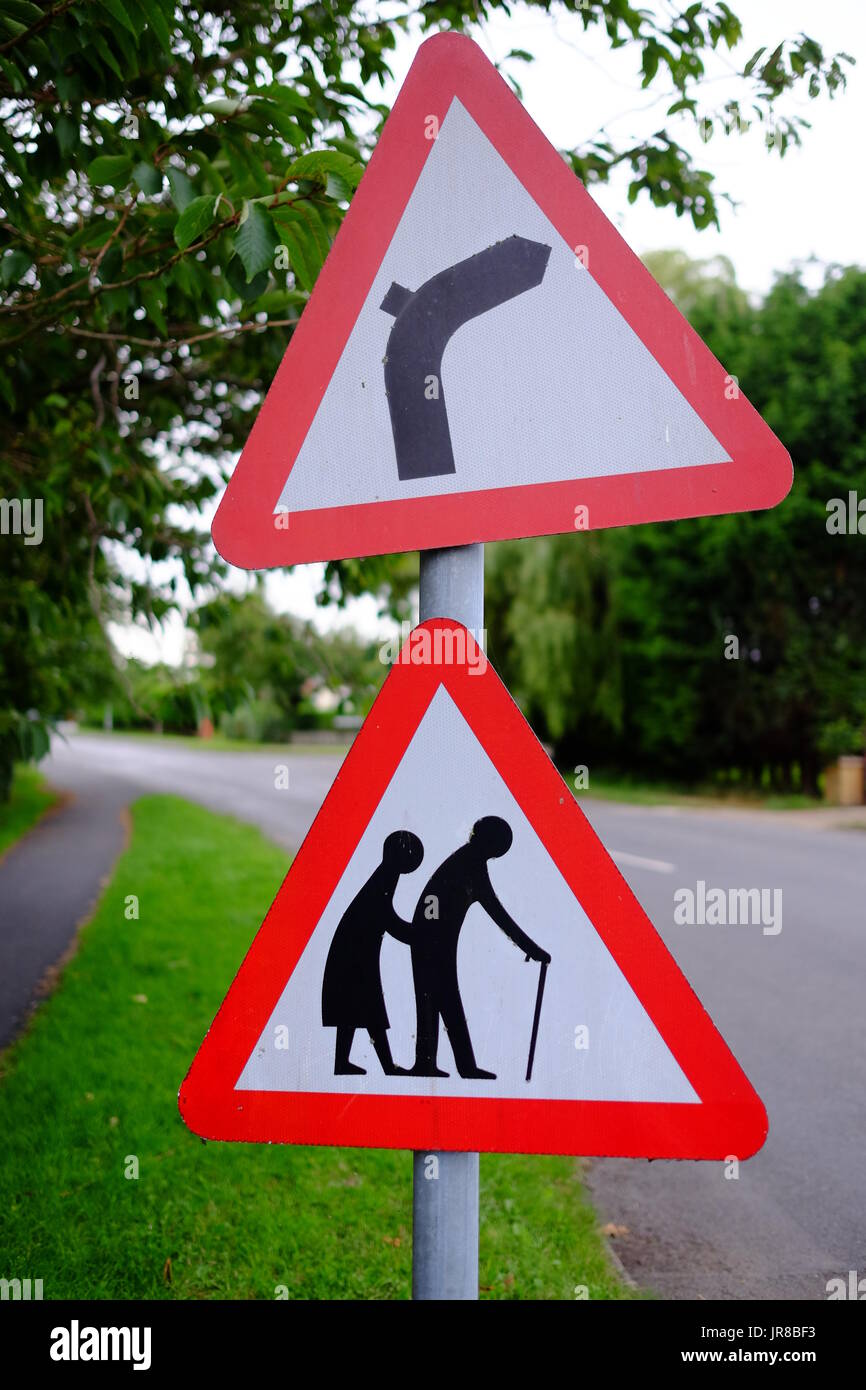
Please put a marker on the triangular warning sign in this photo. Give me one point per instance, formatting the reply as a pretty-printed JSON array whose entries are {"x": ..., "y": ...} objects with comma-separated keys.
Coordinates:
[
  {"x": 454, "y": 961},
  {"x": 483, "y": 357}
]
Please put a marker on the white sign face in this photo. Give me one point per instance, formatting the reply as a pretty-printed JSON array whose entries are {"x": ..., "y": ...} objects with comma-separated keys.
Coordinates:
[
  {"x": 550, "y": 385},
  {"x": 453, "y": 960},
  {"x": 594, "y": 1039},
  {"x": 483, "y": 358}
]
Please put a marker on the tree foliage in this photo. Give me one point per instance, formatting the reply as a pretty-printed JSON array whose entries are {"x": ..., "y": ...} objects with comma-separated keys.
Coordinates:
[
  {"x": 626, "y": 656},
  {"x": 173, "y": 176},
  {"x": 248, "y": 670}
]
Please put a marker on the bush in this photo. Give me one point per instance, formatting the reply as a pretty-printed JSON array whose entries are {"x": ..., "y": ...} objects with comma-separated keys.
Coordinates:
[
  {"x": 308, "y": 717},
  {"x": 258, "y": 721}
]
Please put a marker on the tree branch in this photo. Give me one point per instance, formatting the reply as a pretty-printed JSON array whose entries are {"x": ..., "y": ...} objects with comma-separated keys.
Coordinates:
[
  {"x": 176, "y": 342},
  {"x": 37, "y": 25}
]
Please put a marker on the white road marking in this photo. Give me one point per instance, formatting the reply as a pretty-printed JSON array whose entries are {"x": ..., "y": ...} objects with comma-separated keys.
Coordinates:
[{"x": 636, "y": 861}]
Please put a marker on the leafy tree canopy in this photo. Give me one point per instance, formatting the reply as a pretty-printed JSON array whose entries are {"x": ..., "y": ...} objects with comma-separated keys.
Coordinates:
[
  {"x": 619, "y": 643},
  {"x": 173, "y": 176}
]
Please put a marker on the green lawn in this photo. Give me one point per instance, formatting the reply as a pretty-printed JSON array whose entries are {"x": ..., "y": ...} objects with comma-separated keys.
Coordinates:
[
  {"x": 29, "y": 800},
  {"x": 94, "y": 1081},
  {"x": 606, "y": 787},
  {"x": 221, "y": 743}
]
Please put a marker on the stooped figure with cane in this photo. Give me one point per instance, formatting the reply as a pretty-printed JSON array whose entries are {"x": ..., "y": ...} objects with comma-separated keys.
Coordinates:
[
  {"x": 352, "y": 995},
  {"x": 461, "y": 880}
]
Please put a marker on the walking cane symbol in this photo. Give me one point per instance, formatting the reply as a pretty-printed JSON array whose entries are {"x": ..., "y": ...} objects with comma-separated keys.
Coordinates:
[{"x": 538, "y": 998}]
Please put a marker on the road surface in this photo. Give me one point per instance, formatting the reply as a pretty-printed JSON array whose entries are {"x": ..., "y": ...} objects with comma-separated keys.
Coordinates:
[{"x": 791, "y": 1005}]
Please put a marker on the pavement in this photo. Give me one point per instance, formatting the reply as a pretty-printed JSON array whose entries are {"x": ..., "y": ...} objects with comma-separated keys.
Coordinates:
[
  {"x": 50, "y": 881},
  {"x": 790, "y": 1005}
]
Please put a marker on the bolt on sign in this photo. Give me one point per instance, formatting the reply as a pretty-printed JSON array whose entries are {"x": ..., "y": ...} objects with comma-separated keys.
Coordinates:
[
  {"x": 483, "y": 357},
  {"x": 455, "y": 962}
]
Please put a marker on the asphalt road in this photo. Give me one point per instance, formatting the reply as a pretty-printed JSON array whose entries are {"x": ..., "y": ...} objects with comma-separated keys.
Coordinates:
[{"x": 792, "y": 1005}]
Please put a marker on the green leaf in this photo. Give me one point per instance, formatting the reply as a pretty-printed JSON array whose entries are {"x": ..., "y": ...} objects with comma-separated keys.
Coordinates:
[
  {"x": 182, "y": 191},
  {"x": 105, "y": 53},
  {"x": 650, "y": 63},
  {"x": 68, "y": 86},
  {"x": 129, "y": 50},
  {"x": 137, "y": 17},
  {"x": 753, "y": 61},
  {"x": 337, "y": 188},
  {"x": 38, "y": 738},
  {"x": 116, "y": 301},
  {"x": 152, "y": 300},
  {"x": 111, "y": 263},
  {"x": 319, "y": 163},
  {"x": 6, "y": 390},
  {"x": 303, "y": 231},
  {"x": 113, "y": 169},
  {"x": 247, "y": 170},
  {"x": 157, "y": 22},
  {"x": 66, "y": 133},
  {"x": 148, "y": 179},
  {"x": 94, "y": 234},
  {"x": 116, "y": 9},
  {"x": 255, "y": 240},
  {"x": 237, "y": 278},
  {"x": 223, "y": 106},
  {"x": 13, "y": 75},
  {"x": 182, "y": 275},
  {"x": 23, "y": 11},
  {"x": 684, "y": 104},
  {"x": 286, "y": 96},
  {"x": 194, "y": 219},
  {"x": 117, "y": 513},
  {"x": 269, "y": 116},
  {"x": 13, "y": 267},
  {"x": 302, "y": 257}
]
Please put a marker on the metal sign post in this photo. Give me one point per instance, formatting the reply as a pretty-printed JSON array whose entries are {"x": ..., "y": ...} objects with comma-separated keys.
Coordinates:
[
  {"x": 445, "y": 1185},
  {"x": 355, "y": 452},
  {"x": 446, "y": 759}
]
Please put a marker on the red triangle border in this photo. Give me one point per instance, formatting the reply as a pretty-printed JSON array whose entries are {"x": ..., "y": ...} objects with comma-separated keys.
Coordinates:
[
  {"x": 447, "y": 66},
  {"x": 729, "y": 1121}
]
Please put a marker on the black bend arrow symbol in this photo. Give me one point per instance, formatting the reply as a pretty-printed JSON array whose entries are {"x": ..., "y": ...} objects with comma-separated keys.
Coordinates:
[{"x": 424, "y": 321}]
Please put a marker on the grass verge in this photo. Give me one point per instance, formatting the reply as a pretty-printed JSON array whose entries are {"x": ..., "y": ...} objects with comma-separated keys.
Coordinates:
[
  {"x": 29, "y": 800},
  {"x": 221, "y": 743},
  {"x": 92, "y": 1085},
  {"x": 636, "y": 793}
]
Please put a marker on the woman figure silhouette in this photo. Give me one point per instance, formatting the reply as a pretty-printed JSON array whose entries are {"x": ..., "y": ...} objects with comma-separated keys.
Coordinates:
[{"x": 352, "y": 986}]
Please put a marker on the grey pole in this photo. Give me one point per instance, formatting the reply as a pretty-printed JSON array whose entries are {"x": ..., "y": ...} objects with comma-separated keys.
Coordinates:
[
  {"x": 445, "y": 1185},
  {"x": 452, "y": 585}
]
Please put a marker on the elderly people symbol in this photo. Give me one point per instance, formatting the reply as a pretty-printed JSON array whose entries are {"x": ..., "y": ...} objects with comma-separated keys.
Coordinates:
[{"x": 352, "y": 994}]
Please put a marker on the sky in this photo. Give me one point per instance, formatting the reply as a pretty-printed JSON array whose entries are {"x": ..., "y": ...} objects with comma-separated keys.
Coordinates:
[{"x": 810, "y": 204}]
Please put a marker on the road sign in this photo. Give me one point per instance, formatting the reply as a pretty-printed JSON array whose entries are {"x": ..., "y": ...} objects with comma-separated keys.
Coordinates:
[
  {"x": 483, "y": 357},
  {"x": 455, "y": 962}
]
